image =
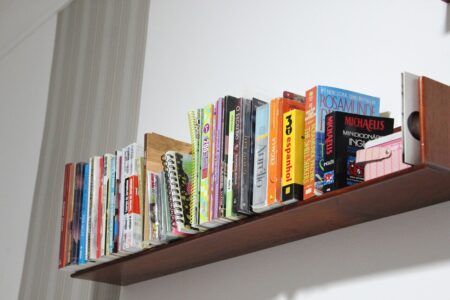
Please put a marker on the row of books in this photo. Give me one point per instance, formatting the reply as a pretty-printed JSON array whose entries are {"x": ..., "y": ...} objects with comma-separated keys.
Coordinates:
[{"x": 246, "y": 156}]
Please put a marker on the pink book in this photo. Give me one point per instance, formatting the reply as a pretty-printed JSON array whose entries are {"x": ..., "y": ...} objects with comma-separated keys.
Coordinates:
[{"x": 382, "y": 156}]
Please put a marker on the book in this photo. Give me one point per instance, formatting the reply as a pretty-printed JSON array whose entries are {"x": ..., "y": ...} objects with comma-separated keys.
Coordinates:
[
  {"x": 98, "y": 189},
  {"x": 194, "y": 130},
  {"x": 261, "y": 160},
  {"x": 83, "y": 258},
  {"x": 153, "y": 217},
  {"x": 76, "y": 220},
  {"x": 320, "y": 101},
  {"x": 292, "y": 156},
  {"x": 278, "y": 107},
  {"x": 106, "y": 194},
  {"x": 247, "y": 155},
  {"x": 178, "y": 170},
  {"x": 64, "y": 218},
  {"x": 118, "y": 217},
  {"x": 345, "y": 134},
  {"x": 70, "y": 204},
  {"x": 206, "y": 159}
]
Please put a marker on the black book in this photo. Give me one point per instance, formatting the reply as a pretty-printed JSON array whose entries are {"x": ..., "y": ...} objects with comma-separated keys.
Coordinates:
[
  {"x": 246, "y": 155},
  {"x": 345, "y": 134}
]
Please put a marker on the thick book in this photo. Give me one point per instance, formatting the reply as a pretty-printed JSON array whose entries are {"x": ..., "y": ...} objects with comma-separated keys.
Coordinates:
[
  {"x": 292, "y": 156},
  {"x": 345, "y": 134},
  {"x": 320, "y": 101},
  {"x": 277, "y": 109},
  {"x": 261, "y": 160},
  {"x": 246, "y": 157}
]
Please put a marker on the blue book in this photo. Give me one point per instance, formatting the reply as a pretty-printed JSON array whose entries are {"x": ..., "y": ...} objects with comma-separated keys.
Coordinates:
[
  {"x": 112, "y": 204},
  {"x": 84, "y": 211},
  {"x": 320, "y": 101}
]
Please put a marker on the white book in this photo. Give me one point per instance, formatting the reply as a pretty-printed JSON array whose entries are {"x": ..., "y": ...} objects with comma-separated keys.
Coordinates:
[{"x": 94, "y": 195}]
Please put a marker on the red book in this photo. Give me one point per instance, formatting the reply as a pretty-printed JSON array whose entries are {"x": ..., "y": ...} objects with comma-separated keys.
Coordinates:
[
  {"x": 100, "y": 209},
  {"x": 63, "y": 233}
]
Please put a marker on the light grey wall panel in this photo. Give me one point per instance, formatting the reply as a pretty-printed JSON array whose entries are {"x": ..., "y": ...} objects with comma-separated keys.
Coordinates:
[{"x": 93, "y": 108}]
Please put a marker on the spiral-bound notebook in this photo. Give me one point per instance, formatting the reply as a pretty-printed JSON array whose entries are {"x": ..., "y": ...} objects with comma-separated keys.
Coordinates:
[{"x": 178, "y": 171}]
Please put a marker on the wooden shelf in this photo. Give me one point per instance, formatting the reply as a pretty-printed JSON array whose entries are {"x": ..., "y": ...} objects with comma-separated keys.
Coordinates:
[
  {"x": 413, "y": 188},
  {"x": 404, "y": 191}
]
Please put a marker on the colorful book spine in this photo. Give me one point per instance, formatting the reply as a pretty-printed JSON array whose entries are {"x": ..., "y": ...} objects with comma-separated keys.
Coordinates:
[
  {"x": 320, "y": 101},
  {"x": 90, "y": 217},
  {"x": 237, "y": 147},
  {"x": 218, "y": 149},
  {"x": 229, "y": 183},
  {"x": 99, "y": 226},
  {"x": 64, "y": 218},
  {"x": 84, "y": 212},
  {"x": 94, "y": 194},
  {"x": 277, "y": 109},
  {"x": 70, "y": 214},
  {"x": 207, "y": 125},
  {"x": 106, "y": 173},
  {"x": 194, "y": 126},
  {"x": 293, "y": 154},
  {"x": 260, "y": 177},
  {"x": 76, "y": 222}
]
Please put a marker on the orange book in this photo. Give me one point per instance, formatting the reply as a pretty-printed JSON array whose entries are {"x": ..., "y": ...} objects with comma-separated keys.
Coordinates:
[
  {"x": 277, "y": 109},
  {"x": 310, "y": 144}
]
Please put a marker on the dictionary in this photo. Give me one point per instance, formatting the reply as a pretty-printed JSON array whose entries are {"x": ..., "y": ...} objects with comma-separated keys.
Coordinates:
[{"x": 346, "y": 133}]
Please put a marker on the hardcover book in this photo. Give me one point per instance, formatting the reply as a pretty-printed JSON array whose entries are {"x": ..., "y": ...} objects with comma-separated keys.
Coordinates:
[
  {"x": 320, "y": 101},
  {"x": 345, "y": 134}
]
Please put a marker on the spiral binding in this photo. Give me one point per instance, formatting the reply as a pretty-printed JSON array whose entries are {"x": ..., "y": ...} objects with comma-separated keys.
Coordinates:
[{"x": 173, "y": 183}]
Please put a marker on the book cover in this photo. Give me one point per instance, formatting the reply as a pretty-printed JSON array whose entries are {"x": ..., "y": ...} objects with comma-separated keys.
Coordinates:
[
  {"x": 237, "y": 147},
  {"x": 178, "y": 167},
  {"x": 76, "y": 221},
  {"x": 229, "y": 214},
  {"x": 153, "y": 192},
  {"x": 206, "y": 150},
  {"x": 99, "y": 225},
  {"x": 320, "y": 101},
  {"x": 64, "y": 218},
  {"x": 345, "y": 134},
  {"x": 194, "y": 129},
  {"x": 277, "y": 109},
  {"x": 261, "y": 160},
  {"x": 292, "y": 156},
  {"x": 119, "y": 192},
  {"x": 70, "y": 214},
  {"x": 106, "y": 195},
  {"x": 218, "y": 149},
  {"x": 84, "y": 212},
  {"x": 247, "y": 154}
]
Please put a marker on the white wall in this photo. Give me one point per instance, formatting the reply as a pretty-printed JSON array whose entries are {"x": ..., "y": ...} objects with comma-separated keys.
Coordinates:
[
  {"x": 19, "y": 19},
  {"x": 200, "y": 50},
  {"x": 24, "y": 82}
]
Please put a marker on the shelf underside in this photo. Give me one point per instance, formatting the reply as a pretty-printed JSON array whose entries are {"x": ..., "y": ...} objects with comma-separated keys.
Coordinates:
[{"x": 393, "y": 194}]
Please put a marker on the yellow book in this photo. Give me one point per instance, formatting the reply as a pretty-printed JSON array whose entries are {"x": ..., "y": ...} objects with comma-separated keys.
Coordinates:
[{"x": 292, "y": 157}]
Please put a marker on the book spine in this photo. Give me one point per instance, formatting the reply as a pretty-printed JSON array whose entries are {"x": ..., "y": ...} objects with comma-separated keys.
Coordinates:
[
  {"x": 91, "y": 213},
  {"x": 193, "y": 131},
  {"x": 330, "y": 152},
  {"x": 78, "y": 194},
  {"x": 293, "y": 151},
  {"x": 212, "y": 165},
  {"x": 64, "y": 218},
  {"x": 70, "y": 214},
  {"x": 84, "y": 212},
  {"x": 261, "y": 160},
  {"x": 99, "y": 224},
  {"x": 236, "y": 182},
  {"x": 218, "y": 159},
  {"x": 275, "y": 139},
  {"x": 245, "y": 183},
  {"x": 206, "y": 166},
  {"x": 310, "y": 144},
  {"x": 112, "y": 205},
  {"x": 105, "y": 203},
  {"x": 118, "y": 238},
  {"x": 229, "y": 185}
]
